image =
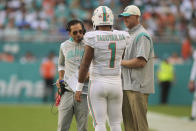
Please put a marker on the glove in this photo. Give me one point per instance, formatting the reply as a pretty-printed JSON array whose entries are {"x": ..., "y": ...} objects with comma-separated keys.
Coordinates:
[
  {"x": 58, "y": 99},
  {"x": 60, "y": 92}
]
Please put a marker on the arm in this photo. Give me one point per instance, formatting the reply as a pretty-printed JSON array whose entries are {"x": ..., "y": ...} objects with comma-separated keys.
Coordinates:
[
  {"x": 86, "y": 61},
  {"x": 61, "y": 65},
  {"x": 143, "y": 49},
  {"x": 192, "y": 77},
  {"x": 84, "y": 67},
  {"x": 138, "y": 62},
  {"x": 61, "y": 74}
]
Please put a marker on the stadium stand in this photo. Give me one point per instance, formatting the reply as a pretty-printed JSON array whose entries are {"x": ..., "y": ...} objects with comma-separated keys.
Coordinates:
[{"x": 39, "y": 20}]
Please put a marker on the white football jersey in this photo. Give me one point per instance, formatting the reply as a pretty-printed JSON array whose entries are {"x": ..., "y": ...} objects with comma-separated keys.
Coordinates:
[{"x": 108, "y": 50}]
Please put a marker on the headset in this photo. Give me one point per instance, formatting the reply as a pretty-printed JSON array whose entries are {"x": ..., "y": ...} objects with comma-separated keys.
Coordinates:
[{"x": 74, "y": 22}]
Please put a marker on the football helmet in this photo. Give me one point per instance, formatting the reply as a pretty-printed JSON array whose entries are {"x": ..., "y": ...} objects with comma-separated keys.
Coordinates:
[{"x": 102, "y": 15}]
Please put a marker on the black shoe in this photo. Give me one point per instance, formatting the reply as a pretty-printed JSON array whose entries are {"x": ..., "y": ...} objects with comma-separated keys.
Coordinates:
[{"x": 192, "y": 118}]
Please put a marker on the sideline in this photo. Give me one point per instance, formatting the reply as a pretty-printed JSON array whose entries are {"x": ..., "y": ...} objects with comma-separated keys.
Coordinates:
[{"x": 162, "y": 122}]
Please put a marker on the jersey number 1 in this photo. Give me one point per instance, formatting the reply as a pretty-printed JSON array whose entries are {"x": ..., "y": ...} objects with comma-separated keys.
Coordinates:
[{"x": 112, "y": 47}]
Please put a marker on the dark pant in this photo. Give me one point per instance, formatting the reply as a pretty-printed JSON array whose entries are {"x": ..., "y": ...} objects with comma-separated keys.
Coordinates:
[
  {"x": 165, "y": 87},
  {"x": 49, "y": 92}
]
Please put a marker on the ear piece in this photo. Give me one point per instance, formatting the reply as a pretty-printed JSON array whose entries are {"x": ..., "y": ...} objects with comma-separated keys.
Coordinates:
[
  {"x": 68, "y": 27},
  {"x": 83, "y": 28}
]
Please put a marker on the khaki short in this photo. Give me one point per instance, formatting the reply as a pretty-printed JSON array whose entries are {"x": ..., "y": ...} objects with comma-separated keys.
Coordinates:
[{"x": 134, "y": 110}]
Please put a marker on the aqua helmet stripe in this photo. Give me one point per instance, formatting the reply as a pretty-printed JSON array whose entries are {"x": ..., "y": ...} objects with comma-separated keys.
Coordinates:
[{"x": 104, "y": 14}]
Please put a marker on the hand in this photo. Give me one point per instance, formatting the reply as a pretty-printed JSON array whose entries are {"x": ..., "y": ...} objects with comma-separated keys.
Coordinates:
[
  {"x": 191, "y": 86},
  {"x": 57, "y": 83},
  {"x": 78, "y": 96},
  {"x": 122, "y": 62}
]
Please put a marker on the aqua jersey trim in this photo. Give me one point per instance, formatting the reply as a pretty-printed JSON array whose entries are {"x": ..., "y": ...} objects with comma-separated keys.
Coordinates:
[
  {"x": 71, "y": 39},
  {"x": 148, "y": 37}
]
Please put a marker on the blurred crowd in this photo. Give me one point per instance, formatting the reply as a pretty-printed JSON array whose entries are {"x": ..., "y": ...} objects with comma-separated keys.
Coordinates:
[
  {"x": 170, "y": 18},
  {"x": 45, "y": 20},
  {"x": 35, "y": 20}
]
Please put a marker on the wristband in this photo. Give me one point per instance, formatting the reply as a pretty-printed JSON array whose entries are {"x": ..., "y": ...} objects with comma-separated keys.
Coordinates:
[{"x": 79, "y": 86}]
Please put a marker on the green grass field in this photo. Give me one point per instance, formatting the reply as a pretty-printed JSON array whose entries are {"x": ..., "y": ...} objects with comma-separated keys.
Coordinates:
[
  {"x": 40, "y": 118},
  {"x": 179, "y": 111}
]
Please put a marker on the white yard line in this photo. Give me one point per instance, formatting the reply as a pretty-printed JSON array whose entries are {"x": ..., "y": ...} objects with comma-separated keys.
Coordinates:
[{"x": 162, "y": 122}]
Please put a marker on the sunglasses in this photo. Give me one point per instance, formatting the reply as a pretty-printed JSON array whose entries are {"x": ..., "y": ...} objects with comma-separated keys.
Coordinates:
[{"x": 77, "y": 31}]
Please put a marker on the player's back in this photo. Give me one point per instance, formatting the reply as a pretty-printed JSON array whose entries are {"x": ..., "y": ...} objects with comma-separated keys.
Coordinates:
[{"x": 108, "y": 50}]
